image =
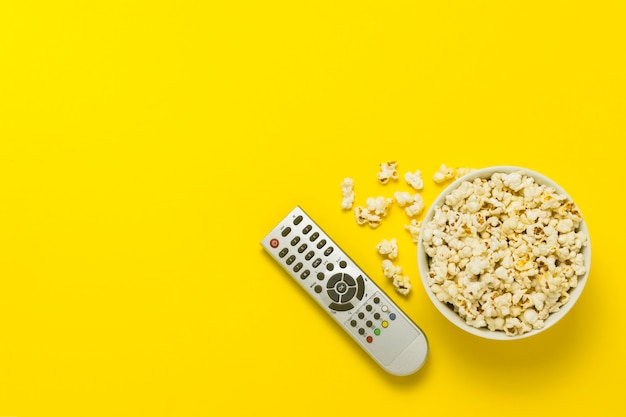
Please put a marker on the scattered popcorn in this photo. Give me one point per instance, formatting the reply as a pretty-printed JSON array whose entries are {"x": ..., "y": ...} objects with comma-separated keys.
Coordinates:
[
  {"x": 403, "y": 198},
  {"x": 364, "y": 216},
  {"x": 402, "y": 284},
  {"x": 417, "y": 207},
  {"x": 444, "y": 174},
  {"x": 379, "y": 205},
  {"x": 347, "y": 191},
  {"x": 389, "y": 269},
  {"x": 388, "y": 170},
  {"x": 414, "y": 229},
  {"x": 389, "y": 248},
  {"x": 376, "y": 209},
  {"x": 461, "y": 172},
  {"x": 414, "y": 180},
  {"x": 504, "y": 252}
]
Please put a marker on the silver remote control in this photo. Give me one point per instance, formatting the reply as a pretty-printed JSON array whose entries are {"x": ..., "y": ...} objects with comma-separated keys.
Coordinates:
[{"x": 336, "y": 282}]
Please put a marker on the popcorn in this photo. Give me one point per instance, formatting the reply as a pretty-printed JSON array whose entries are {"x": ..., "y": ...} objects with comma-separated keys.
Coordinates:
[
  {"x": 417, "y": 207},
  {"x": 364, "y": 216},
  {"x": 444, "y": 174},
  {"x": 461, "y": 172},
  {"x": 388, "y": 170},
  {"x": 504, "y": 251},
  {"x": 376, "y": 209},
  {"x": 402, "y": 284},
  {"x": 389, "y": 269},
  {"x": 347, "y": 191},
  {"x": 403, "y": 198},
  {"x": 415, "y": 202},
  {"x": 389, "y": 248},
  {"x": 414, "y": 180},
  {"x": 414, "y": 229},
  {"x": 378, "y": 205}
]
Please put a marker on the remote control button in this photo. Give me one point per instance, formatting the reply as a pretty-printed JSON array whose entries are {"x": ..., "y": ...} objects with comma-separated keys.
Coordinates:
[
  {"x": 353, "y": 323},
  {"x": 298, "y": 267},
  {"x": 384, "y": 309},
  {"x": 283, "y": 252},
  {"x": 349, "y": 280},
  {"x": 343, "y": 264},
  {"x": 341, "y": 287},
  {"x": 361, "y": 316},
  {"x": 330, "y": 267},
  {"x": 328, "y": 251},
  {"x": 369, "y": 339},
  {"x": 360, "y": 287},
  {"x": 368, "y": 323},
  {"x": 377, "y": 332},
  {"x": 297, "y": 220},
  {"x": 341, "y": 307},
  {"x": 376, "y": 316},
  {"x": 318, "y": 289},
  {"x": 321, "y": 243},
  {"x": 314, "y": 237},
  {"x": 333, "y": 295},
  {"x": 274, "y": 243},
  {"x": 290, "y": 260},
  {"x": 302, "y": 248},
  {"x": 384, "y": 324},
  {"x": 333, "y": 281},
  {"x": 309, "y": 255},
  {"x": 361, "y": 331},
  {"x": 295, "y": 241},
  {"x": 317, "y": 262},
  {"x": 376, "y": 300},
  {"x": 368, "y": 307},
  {"x": 307, "y": 229},
  {"x": 392, "y": 316},
  {"x": 305, "y": 274},
  {"x": 348, "y": 295},
  {"x": 320, "y": 276},
  {"x": 286, "y": 231}
]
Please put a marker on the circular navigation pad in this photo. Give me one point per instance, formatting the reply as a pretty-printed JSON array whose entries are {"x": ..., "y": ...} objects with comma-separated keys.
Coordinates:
[{"x": 341, "y": 288}]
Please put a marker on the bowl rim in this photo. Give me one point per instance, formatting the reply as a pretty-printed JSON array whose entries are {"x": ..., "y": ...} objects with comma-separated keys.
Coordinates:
[{"x": 423, "y": 264}]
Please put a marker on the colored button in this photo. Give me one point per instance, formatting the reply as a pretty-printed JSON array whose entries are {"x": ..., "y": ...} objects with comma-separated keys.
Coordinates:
[
  {"x": 384, "y": 308},
  {"x": 384, "y": 324},
  {"x": 392, "y": 316},
  {"x": 377, "y": 332},
  {"x": 369, "y": 339},
  {"x": 274, "y": 243}
]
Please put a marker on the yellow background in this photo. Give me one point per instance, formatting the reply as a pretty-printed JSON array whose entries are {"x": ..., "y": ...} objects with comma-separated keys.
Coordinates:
[{"x": 146, "y": 148}]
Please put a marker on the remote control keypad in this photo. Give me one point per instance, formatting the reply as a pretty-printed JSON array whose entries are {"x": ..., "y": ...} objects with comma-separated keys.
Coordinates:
[{"x": 341, "y": 287}]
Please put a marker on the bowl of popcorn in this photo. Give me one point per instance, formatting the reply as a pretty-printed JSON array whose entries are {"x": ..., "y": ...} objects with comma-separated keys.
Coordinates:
[{"x": 504, "y": 253}]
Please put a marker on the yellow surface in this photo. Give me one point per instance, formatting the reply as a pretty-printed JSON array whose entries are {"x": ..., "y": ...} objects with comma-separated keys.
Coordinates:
[{"x": 147, "y": 147}]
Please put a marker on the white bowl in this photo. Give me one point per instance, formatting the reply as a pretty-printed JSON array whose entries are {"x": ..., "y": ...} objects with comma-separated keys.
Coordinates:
[{"x": 446, "y": 309}]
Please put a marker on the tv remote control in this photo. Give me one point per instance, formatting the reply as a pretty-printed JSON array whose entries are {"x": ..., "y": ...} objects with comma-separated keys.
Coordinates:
[{"x": 347, "y": 294}]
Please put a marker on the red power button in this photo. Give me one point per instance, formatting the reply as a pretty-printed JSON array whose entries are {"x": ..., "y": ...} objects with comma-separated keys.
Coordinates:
[{"x": 274, "y": 243}]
